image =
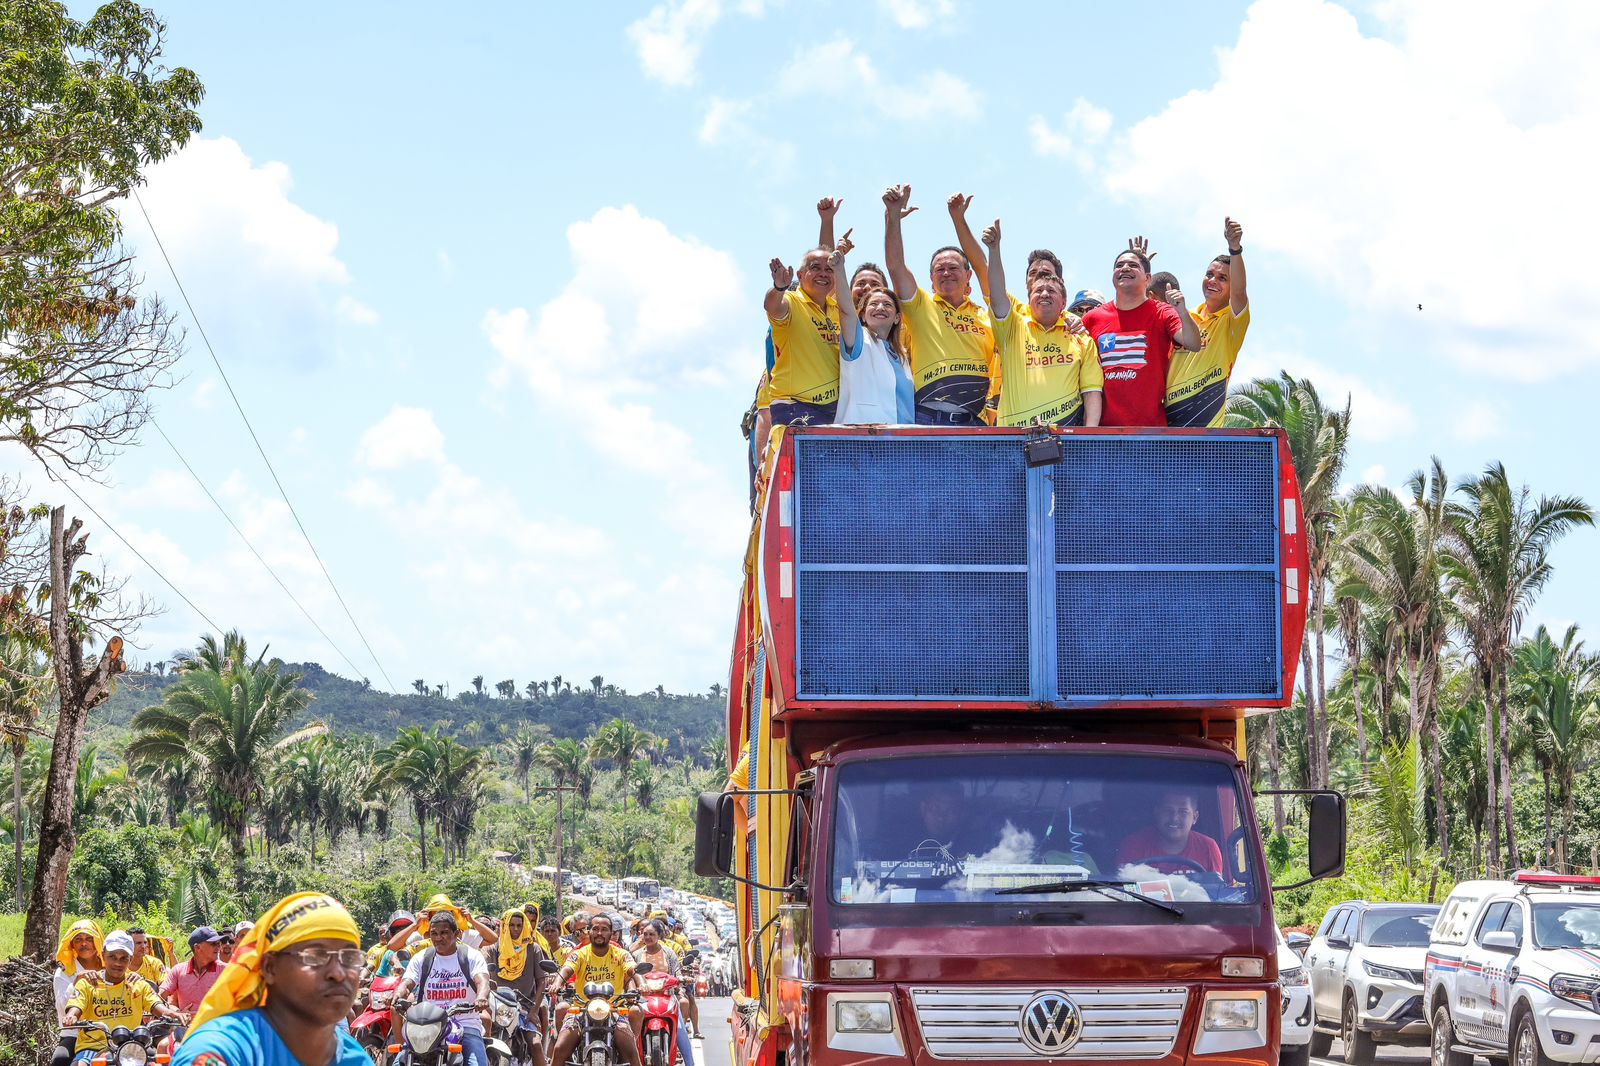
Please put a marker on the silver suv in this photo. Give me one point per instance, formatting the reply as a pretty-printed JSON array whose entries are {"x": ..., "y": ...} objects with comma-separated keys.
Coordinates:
[{"x": 1365, "y": 965}]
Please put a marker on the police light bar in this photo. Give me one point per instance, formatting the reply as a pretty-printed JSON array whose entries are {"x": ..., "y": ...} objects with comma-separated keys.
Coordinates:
[{"x": 1525, "y": 877}]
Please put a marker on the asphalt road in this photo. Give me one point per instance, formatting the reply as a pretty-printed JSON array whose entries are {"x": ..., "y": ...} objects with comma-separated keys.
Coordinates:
[
  {"x": 714, "y": 1049},
  {"x": 1399, "y": 1056}
]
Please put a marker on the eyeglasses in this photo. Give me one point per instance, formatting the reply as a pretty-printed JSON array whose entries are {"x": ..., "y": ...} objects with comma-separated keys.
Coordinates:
[{"x": 318, "y": 958}]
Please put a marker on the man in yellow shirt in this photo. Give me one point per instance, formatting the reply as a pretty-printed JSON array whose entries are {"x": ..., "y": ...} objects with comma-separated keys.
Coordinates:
[
  {"x": 115, "y": 997},
  {"x": 948, "y": 335},
  {"x": 1197, "y": 382},
  {"x": 602, "y": 962},
  {"x": 1049, "y": 374},
  {"x": 145, "y": 963},
  {"x": 804, "y": 383}
]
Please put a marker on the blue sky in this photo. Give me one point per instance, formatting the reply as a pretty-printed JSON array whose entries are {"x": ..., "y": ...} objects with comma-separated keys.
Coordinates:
[{"x": 488, "y": 282}]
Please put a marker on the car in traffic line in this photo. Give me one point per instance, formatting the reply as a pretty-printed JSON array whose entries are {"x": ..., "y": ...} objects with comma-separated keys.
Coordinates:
[
  {"x": 1365, "y": 965},
  {"x": 1513, "y": 971},
  {"x": 1294, "y": 1047}
]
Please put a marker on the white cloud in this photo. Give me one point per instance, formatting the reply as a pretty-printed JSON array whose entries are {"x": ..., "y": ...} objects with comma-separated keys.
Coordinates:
[
  {"x": 1479, "y": 421},
  {"x": 1375, "y": 474},
  {"x": 1399, "y": 172},
  {"x": 839, "y": 68},
  {"x": 259, "y": 267},
  {"x": 728, "y": 123},
  {"x": 669, "y": 38},
  {"x": 917, "y": 14},
  {"x": 403, "y": 437},
  {"x": 723, "y": 117},
  {"x": 1376, "y": 414},
  {"x": 1085, "y": 124}
]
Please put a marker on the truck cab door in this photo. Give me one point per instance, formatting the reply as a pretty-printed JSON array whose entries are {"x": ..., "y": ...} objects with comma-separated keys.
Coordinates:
[{"x": 1474, "y": 1007}]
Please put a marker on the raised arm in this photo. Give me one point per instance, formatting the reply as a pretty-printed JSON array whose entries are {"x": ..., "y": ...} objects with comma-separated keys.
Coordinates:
[
  {"x": 1188, "y": 336},
  {"x": 827, "y": 208},
  {"x": 398, "y": 941},
  {"x": 1238, "y": 297},
  {"x": 849, "y": 323},
  {"x": 970, "y": 246},
  {"x": 896, "y": 206},
  {"x": 778, "y": 307},
  {"x": 999, "y": 303}
]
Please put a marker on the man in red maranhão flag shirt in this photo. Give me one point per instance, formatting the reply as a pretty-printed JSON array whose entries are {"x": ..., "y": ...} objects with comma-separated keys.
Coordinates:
[
  {"x": 1135, "y": 333},
  {"x": 1171, "y": 835}
]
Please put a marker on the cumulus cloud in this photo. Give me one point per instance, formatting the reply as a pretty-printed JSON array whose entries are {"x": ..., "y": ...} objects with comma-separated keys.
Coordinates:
[
  {"x": 257, "y": 265},
  {"x": 669, "y": 38},
  {"x": 728, "y": 123},
  {"x": 1084, "y": 125},
  {"x": 1439, "y": 180},
  {"x": 918, "y": 14},
  {"x": 1377, "y": 414},
  {"x": 403, "y": 437},
  {"x": 839, "y": 68}
]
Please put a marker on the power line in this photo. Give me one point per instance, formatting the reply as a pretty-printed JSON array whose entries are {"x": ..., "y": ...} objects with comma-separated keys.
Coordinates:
[
  {"x": 153, "y": 569},
  {"x": 259, "y": 558},
  {"x": 257, "y": 441}
]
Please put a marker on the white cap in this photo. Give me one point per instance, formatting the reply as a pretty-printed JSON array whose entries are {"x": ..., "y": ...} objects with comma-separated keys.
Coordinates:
[
  {"x": 243, "y": 927},
  {"x": 119, "y": 940}
]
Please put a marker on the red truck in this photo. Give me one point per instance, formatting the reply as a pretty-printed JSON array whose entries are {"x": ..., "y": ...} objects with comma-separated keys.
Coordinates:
[{"x": 987, "y": 705}]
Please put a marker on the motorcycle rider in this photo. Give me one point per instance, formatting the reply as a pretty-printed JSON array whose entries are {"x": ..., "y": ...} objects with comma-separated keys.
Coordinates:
[
  {"x": 381, "y": 959},
  {"x": 662, "y": 959},
  {"x": 114, "y": 997},
  {"x": 681, "y": 945},
  {"x": 515, "y": 962},
  {"x": 78, "y": 953},
  {"x": 188, "y": 982},
  {"x": 598, "y": 961},
  {"x": 447, "y": 974},
  {"x": 291, "y": 984}
]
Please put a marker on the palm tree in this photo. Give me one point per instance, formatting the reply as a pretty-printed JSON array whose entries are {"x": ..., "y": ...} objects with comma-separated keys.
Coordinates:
[
  {"x": 1318, "y": 438},
  {"x": 411, "y": 761},
  {"x": 641, "y": 780},
  {"x": 621, "y": 743},
  {"x": 598, "y": 682},
  {"x": 477, "y": 684},
  {"x": 566, "y": 764},
  {"x": 25, "y": 681},
  {"x": 228, "y": 714},
  {"x": 523, "y": 747},
  {"x": 1557, "y": 687},
  {"x": 1497, "y": 556}
]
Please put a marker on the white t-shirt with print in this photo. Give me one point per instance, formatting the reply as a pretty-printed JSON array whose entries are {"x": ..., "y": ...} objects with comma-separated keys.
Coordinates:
[{"x": 448, "y": 986}]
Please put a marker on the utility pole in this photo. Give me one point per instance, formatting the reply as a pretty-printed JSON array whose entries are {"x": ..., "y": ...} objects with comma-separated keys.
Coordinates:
[{"x": 560, "y": 837}]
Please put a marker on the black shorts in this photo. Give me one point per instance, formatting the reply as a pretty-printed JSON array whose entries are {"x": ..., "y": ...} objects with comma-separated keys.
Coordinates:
[{"x": 795, "y": 413}]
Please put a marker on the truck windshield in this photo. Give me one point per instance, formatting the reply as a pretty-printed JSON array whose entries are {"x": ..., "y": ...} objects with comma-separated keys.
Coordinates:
[
  {"x": 959, "y": 828},
  {"x": 1566, "y": 925}
]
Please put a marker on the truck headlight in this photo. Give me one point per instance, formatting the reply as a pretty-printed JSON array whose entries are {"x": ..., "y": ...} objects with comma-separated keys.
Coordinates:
[
  {"x": 1385, "y": 973},
  {"x": 1224, "y": 1015},
  {"x": 1293, "y": 978},
  {"x": 1581, "y": 990},
  {"x": 862, "y": 1016}
]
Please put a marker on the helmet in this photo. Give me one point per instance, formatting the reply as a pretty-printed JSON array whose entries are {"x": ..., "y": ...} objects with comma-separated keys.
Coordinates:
[{"x": 397, "y": 919}]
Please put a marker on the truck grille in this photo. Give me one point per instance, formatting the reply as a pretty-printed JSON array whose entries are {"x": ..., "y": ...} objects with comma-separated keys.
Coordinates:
[{"x": 983, "y": 1023}]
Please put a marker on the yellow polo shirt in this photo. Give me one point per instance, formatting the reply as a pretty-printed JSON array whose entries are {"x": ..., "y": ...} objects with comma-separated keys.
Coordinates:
[
  {"x": 114, "y": 1006},
  {"x": 1045, "y": 370},
  {"x": 951, "y": 348},
  {"x": 1197, "y": 382},
  {"x": 806, "y": 346}
]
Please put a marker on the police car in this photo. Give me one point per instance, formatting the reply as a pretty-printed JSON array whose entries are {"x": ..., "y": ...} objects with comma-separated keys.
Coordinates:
[{"x": 1513, "y": 972}]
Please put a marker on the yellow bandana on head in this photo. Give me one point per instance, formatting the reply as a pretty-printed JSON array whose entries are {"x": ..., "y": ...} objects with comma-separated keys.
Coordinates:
[
  {"x": 69, "y": 958},
  {"x": 296, "y": 919},
  {"x": 514, "y": 950},
  {"x": 438, "y": 904}
]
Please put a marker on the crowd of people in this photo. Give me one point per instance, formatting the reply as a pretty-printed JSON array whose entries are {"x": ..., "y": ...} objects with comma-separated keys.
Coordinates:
[
  {"x": 284, "y": 989},
  {"x": 870, "y": 345}
]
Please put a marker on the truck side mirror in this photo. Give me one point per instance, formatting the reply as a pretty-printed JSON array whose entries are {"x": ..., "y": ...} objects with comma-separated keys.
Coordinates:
[
  {"x": 713, "y": 835},
  {"x": 1325, "y": 836}
]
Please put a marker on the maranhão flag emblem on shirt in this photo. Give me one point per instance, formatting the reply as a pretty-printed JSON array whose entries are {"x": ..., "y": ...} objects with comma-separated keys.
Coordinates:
[{"x": 1122, "y": 349}]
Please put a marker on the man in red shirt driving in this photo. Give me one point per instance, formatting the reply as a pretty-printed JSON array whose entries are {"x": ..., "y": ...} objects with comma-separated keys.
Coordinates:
[{"x": 1171, "y": 835}]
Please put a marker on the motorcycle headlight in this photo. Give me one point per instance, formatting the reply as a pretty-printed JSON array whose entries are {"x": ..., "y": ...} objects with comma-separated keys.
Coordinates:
[
  {"x": 423, "y": 1037},
  {"x": 1293, "y": 978},
  {"x": 505, "y": 1014},
  {"x": 598, "y": 1010},
  {"x": 132, "y": 1054}
]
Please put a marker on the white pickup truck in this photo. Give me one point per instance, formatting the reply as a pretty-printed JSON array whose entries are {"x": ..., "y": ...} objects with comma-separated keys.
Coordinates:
[{"x": 1513, "y": 972}]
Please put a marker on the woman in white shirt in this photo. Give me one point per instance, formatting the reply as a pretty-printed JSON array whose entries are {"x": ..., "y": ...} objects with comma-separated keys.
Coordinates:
[{"x": 874, "y": 379}]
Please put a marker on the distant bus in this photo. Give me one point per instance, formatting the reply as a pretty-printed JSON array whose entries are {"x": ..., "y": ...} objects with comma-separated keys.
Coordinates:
[
  {"x": 548, "y": 873},
  {"x": 641, "y": 887}
]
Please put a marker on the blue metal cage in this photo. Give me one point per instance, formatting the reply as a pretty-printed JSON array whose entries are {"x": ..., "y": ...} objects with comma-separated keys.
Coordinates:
[{"x": 943, "y": 567}]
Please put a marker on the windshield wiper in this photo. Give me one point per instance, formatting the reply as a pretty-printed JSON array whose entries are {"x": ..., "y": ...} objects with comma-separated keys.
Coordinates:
[{"x": 1093, "y": 885}]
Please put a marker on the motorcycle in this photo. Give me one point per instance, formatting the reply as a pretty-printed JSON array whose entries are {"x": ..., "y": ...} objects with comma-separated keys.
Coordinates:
[
  {"x": 371, "y": 1028},
  {"x": 130, "y": 1047},
  {"x": 597, "y": 1045},
  {"x": 510, "y": 1012},
  {"x": 659, "y": 1001},
  {"x": 430, "y": 1035}
]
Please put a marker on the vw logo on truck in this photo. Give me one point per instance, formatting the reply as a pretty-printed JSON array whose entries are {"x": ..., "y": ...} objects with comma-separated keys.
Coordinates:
[{"x": 1051, "y": 1023}]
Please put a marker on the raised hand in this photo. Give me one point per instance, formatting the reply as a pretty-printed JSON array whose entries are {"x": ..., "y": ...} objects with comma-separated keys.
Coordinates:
[
  {"x": 896, "y": 200},
  {"x": 991, "y": 234},
  {"x": 1175, "y": 298},
  {"x": 958, "y": 204},
  {"x": 843, "y": 248},
  {"x": 827, "y": 207},
  {"x": 782, "y": 276},
  {"x": 1233, "y": 233},
  {"x": 1142, "y": 246}
]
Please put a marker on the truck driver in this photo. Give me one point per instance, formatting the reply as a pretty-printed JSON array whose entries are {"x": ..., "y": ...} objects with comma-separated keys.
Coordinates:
[{"x": 1171, "y": 837}]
